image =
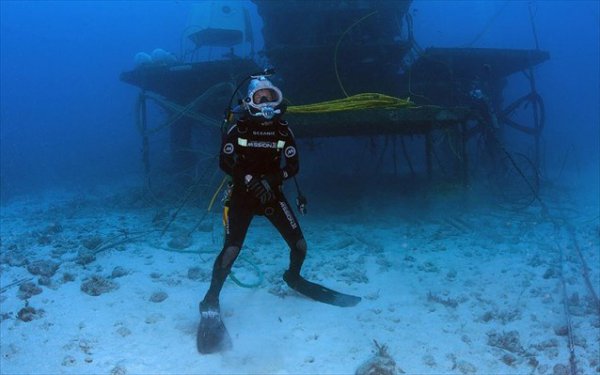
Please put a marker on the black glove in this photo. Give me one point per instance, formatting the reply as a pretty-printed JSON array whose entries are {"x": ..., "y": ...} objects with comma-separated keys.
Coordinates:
[{"x": 260, "y": 188}]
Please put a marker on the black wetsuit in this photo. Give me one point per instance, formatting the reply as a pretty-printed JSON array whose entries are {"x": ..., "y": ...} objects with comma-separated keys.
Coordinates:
[{"x": 254, "y": 147}]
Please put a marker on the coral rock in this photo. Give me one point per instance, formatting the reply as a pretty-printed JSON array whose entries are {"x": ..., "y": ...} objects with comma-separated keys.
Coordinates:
[
  {"x": 85, "y": 256},
  {"x": 42, "y": 268},
  {"x": 380, "y": 364},
  {"x": 158, "y": 297},
  {"x": 118, "y": 272},
  {"x": 28, "y": 289},
  {"x": 97, "y": 285},
  {"x": 28, "y": 313}
]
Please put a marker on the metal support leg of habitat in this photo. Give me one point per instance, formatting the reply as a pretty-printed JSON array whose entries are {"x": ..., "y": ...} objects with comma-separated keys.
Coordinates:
[
  {"x": 464, "y": 137},
  {"x": 142, "y": 127},
  {"x": 428, "y": 154},
  {"x": 534, "y": 99}
]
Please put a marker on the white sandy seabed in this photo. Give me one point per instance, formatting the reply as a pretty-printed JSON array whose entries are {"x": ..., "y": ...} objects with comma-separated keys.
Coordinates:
[{"x": 478, "y": 290}]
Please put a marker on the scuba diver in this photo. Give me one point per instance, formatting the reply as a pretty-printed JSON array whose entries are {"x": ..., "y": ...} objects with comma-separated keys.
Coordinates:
[{"x": 258, "y": 153}]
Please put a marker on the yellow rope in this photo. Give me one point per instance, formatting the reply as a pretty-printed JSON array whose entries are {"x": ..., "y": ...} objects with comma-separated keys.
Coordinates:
[
  {"x": 212, "y": 201},
  {"x": 337, "y": 46},
  {"x": 353, "y": 103}
]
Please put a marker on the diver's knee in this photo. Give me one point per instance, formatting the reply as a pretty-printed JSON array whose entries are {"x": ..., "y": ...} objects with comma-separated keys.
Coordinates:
[{"x": 301, "y": 245}]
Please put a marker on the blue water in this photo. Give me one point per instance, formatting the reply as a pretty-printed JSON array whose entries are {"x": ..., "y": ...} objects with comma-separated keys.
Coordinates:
[
  {"x": 67, "y": 120},
  {"x": 67, "y": 124}
]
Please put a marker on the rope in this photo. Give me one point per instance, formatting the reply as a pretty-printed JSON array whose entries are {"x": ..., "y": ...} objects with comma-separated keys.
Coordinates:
[
  {"x": 355, "y": 102},
  {"x": 585, "y": 268},
  {"x": 557, "y": 224},
  {"x": 116, "y": 240},
  {"x": 187, "y": 110},
  {"x": 179, "y": 111},
  {"x": 337, "y": 46},
  {"x": 17, "y": 282},
  {"x": 572, "y": 363},
  {"x": 487, "y": 25},
  {"x": 181, "y": 251},
  {"x": 533, "y": 29},
  {"x": 214, "y": 197},
  {"x": 248, "y": 285},
  {"x": 407, "y": 157},
  {"x": 234, "y": 278},
  {"x": 187, "y": 197}
]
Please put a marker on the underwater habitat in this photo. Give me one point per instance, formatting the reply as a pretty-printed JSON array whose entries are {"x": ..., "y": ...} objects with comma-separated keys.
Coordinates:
[{"x": 368, "y": 187}]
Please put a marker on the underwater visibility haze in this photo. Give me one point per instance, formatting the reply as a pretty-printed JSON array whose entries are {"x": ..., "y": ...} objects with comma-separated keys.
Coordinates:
[{"x": 447, "y": 187}]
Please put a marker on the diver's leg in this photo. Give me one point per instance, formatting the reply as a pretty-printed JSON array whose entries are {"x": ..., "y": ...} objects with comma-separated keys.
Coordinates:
[
  {"x": 285, "y": 221},
  {"x": 236, "y": 227}
]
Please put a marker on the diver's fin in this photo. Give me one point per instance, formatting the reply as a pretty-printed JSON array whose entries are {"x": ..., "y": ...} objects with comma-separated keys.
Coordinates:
[
  {"x": 212, "y": 333},
  {"x": 319, "y": 292}
]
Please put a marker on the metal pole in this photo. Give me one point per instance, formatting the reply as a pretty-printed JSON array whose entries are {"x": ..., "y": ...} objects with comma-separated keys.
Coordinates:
[
  {"x": 463, "y": 151},
  {"x": 536, "y": 119},
  {"x": 428, "y": 146},
  {"x": 143, "y": 125}
]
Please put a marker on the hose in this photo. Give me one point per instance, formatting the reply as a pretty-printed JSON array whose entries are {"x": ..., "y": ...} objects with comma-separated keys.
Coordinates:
[
  {"x": 487, "y": 26},
  {"x": 337, "y": 46},
  {"x": 571, "y": 340},
  {"x": 214, "y": 197},
  {"x": 256, "y": 284},
  {"x": 187, "y": 110},
  {"x": 355, "y": 102}
]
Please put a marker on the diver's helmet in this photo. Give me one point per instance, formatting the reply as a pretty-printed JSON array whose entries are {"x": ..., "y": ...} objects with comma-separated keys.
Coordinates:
[{"x": 263, "y": 98}]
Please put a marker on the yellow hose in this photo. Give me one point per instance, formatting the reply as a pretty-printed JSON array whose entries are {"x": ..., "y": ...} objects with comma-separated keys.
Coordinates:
[
  {"x": 353, "y": 103},
  {"x": 212, "y": 201},
  {"x": 337, "y": 47}
]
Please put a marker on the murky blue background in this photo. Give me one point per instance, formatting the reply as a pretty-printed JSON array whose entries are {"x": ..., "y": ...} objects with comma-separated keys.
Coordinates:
[{"x": 68, "y": 121}]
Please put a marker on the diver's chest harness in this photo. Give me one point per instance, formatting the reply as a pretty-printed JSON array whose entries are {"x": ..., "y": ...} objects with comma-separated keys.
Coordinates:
[{"x": 266, "y": 137}]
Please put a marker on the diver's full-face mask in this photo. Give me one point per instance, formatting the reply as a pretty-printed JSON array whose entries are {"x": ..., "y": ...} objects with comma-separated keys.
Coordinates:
[{"x": 263, "y": 98}]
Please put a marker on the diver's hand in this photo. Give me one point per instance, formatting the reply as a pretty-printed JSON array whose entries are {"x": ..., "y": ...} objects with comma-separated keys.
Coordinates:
[{"x": 260, "y": 188}]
